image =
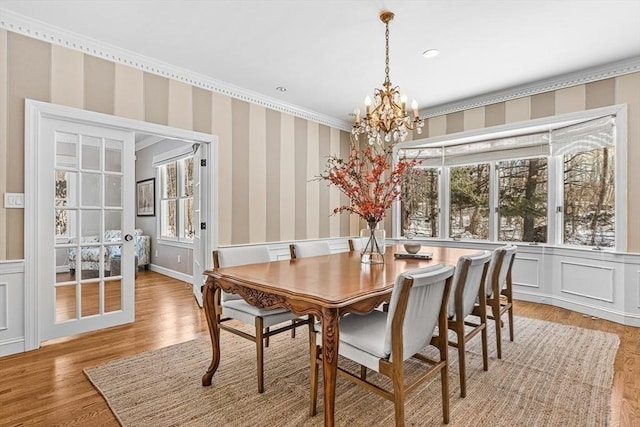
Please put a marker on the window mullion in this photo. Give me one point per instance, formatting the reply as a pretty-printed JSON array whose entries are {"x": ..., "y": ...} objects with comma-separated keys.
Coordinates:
[
  {"x": 493, "y": 202},
  {"x": 445, "y": 198}
]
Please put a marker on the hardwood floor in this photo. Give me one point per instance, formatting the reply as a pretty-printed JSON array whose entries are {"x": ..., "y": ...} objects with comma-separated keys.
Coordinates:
[{"x": 46, "y": 387}]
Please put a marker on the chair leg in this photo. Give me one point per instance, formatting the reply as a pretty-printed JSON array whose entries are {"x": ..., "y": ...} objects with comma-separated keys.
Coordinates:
[
  {"x": 266, "y": 340},
  {"x": 363, "y": 372},
  {"x": 260, "y": 353},
  {"x": 485, "y": 355},
  {"x": 511, "y": 322},
  {"x": 461, "y": 360},
  {"x": 444, "y": 376},
  {"x": 313, "y": 351},
  {"x": 398, "y": 394},
  {"x": 293, "y": 330},
  {"x": 495, "y": 310}
]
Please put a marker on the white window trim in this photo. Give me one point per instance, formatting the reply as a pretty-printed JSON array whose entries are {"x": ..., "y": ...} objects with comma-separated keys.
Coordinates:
[
  {"x": 554, "y": 220},
  {"x": 158, "y": 161}
]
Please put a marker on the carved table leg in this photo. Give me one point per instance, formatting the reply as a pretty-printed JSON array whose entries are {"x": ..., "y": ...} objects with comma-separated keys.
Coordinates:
[
  {"x": 209, "y": 302},
  {"x": 330, "y": 340}
]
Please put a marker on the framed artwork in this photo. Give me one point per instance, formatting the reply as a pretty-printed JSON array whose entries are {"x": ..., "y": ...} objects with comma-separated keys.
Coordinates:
[{"x": 146, "y": 197}]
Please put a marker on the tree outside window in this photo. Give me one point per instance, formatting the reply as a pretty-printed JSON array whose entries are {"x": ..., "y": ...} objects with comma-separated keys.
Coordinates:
[
  {"x": 589, "y": 198},
  {"x": 420, "y": 211},
  {"x": 522, "y": 207},
  {"x": 469, "y": 206}
]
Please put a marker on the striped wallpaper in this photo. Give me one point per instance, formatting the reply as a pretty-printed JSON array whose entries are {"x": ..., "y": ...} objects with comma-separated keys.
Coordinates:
[{"x": 267, "y": 159}]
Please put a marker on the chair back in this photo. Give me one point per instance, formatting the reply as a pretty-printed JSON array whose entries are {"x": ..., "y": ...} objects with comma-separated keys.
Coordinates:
[
  {"x": 309, "y": 249},
  {"x": 242, "y": 255},
  {"x": 418, "y": 300},
  {"x": 471, "y": 272},
  {"x": 356, "y": 244},
  {"x": 500, "y": 268}
]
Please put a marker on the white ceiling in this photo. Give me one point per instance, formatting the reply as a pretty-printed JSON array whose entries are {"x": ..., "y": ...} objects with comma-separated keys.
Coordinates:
[{"x": 330, "y": 54}]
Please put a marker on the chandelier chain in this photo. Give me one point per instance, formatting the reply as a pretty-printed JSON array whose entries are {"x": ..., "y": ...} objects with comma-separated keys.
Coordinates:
[{"x": 386, "y": 53}]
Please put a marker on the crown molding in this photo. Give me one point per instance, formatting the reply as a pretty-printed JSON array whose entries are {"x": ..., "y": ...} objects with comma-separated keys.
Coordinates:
[
  {"x": 37, "y": 29},
  {"x": 21, "y": 24},
  {"x": 613, "y": 69}
]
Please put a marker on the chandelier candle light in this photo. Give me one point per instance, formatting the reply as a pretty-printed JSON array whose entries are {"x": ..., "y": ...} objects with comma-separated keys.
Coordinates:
[{"x": 386, "y": 119}]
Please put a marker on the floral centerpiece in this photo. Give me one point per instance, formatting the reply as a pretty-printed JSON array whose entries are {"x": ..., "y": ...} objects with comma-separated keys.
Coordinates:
[{"x": 371, "y": 181}]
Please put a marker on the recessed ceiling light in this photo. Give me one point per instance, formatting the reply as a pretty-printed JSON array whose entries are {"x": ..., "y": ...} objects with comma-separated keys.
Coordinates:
[
  {"x": 430, "y": 53},
  {"x": 281, "y": 89}
]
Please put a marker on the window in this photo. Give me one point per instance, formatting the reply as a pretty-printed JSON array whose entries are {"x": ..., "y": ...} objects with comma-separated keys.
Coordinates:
[
  {"x": 176, "y": 200},
  {"x": 61, "y": 201},
  {"x": 469, "y": 207},
  {"x": 589, "y": 198},
  {"x": 508, "y": 189},
  {"x": 522, "y": 203},
  {"x": 420, "y": 211}
]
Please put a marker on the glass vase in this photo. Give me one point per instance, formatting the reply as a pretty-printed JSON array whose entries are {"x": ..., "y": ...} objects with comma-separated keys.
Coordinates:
[{"x": 373, "y": 250}]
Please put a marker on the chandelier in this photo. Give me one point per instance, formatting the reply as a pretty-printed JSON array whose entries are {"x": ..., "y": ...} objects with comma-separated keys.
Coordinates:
[{"x": 386, "y": 118}]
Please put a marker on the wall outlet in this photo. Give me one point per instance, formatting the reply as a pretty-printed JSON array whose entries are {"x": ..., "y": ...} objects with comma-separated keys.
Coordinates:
[{"x": 178, "y": 259}]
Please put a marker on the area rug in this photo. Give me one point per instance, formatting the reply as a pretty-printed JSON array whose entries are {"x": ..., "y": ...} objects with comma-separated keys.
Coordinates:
[{"x": 551, "y": 375}]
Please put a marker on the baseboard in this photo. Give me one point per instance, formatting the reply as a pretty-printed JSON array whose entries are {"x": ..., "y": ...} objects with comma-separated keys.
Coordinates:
[
  {"x": 12, "y": 346},
  {"x": 171, "y": 273},
  {"x": 586, "y": 309}
]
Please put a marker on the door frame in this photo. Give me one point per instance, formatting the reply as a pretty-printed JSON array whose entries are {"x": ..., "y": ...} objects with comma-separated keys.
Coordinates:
[{"x": 35, "y": 111}]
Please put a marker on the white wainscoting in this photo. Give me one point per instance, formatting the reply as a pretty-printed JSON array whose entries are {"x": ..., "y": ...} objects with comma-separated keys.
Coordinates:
[
  {"x": 600, "y": 284},
  {"x": 11, "y": 307}
]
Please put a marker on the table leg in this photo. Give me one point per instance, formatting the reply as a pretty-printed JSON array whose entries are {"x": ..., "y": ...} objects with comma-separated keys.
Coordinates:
[
  {"x": 330, "y": 341},
  {"x": 209, "y": 302}
]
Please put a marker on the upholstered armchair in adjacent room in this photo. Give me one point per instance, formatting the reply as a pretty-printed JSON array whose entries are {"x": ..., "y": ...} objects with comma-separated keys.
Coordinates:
[{"x": 90, "y": 255}]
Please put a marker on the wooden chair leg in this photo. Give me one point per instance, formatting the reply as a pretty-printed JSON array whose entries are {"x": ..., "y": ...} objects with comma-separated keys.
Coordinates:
[
  {"x": 313, "y": 351},
  {"x": 398, "y": 394},
  {"x": 363, "y": 372},
  {"x": 485, "y": 348},
  {"x": 484, "y": 332},
  {"x": 260, "y": 353},
  {"x": 495, "y": 310},
  {"x": 462, "y": 364},
  {"x": 266, "y": 340},
  {"x": 444, "y": 376},
  {"x": 511, "y": 322}
]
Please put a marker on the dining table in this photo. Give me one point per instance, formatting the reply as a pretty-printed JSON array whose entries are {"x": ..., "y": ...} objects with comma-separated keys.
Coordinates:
[{"x": 326, "y": 287}]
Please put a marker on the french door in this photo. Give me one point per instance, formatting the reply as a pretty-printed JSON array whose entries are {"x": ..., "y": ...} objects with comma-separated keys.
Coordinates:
[{"x": 86, "y": 183}]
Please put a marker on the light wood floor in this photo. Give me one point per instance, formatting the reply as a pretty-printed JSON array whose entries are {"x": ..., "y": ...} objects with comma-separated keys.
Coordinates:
[{"x": 47, "y": 387}]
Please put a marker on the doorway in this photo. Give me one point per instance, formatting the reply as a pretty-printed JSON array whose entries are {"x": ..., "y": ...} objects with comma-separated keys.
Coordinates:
[{"x": 107, "y": 209}]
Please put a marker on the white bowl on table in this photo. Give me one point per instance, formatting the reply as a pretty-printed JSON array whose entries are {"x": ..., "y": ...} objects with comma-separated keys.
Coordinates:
[{"x": 412, "y": 247}]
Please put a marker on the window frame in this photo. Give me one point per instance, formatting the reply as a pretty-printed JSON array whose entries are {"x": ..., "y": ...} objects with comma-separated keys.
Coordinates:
[
  {"x": 555, "y": 198},
  {"x": 179, "y": 240}
]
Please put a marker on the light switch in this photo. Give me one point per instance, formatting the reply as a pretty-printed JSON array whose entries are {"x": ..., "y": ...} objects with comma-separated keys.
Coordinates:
[{"x": 14, "y": 200}]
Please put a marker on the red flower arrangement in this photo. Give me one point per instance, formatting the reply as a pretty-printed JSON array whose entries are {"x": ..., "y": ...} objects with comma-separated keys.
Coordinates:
[{"x": 369, "y": 179}]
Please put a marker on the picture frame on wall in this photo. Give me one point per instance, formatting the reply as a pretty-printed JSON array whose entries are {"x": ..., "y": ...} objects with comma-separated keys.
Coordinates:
[{"x": 146, "y": 197}]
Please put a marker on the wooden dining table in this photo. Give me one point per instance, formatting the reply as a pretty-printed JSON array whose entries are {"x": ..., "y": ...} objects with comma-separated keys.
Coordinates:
[{"x": 326, "y": 287}]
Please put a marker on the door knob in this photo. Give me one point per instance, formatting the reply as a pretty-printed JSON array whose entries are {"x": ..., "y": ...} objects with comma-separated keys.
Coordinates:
[{"x": 128, "y": 237}]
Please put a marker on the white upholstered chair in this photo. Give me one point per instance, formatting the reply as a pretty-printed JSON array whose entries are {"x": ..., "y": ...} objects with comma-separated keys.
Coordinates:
[
  {"x": 383, "y": 341},
  {"x": 468, "y": 287},
  {"x": 309, "y": 249},
  {"x": 232, "y": 306},
  {"x": 499, "y": 290},
  {"x": 356, "y": 244}
]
